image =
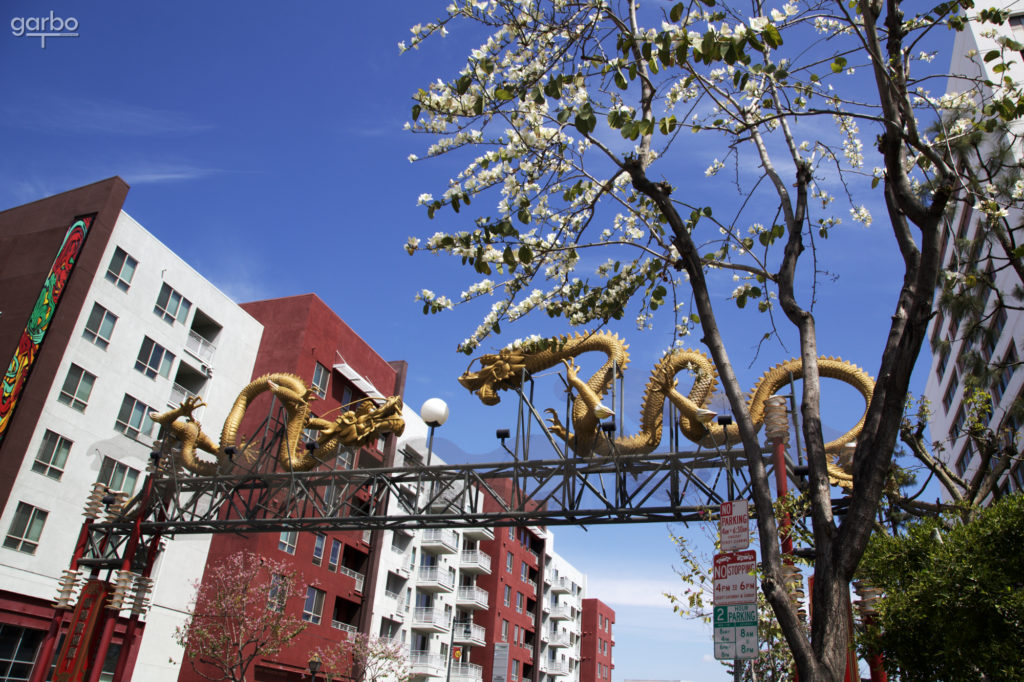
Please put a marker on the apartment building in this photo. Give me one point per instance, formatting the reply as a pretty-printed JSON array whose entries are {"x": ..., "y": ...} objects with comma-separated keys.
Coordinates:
[
  {"x": 339, "y": 569},
  {"x": 1001, "y": 344},
  {"x": 429, "y": 588},
  {"x": 134, "y": 329},
  {"x": 597, "y": 641}
]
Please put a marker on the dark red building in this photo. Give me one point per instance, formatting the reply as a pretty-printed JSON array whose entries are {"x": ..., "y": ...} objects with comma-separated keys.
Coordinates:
[
  {"x": 302, "y": 336},
  {"x": 597, "y": 641}
]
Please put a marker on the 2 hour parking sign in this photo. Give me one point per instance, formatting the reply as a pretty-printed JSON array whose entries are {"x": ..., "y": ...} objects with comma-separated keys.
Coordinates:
[{"x": 735, "y": 631}]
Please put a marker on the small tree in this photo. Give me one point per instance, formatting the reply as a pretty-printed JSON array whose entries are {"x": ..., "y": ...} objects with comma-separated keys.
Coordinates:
[
  {"x": 366, "y": 658},
  {"x": 954, "y": 605},
  {"x": 239, "y": 615}
]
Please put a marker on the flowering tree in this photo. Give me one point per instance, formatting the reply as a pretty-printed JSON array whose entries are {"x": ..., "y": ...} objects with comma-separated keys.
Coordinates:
[
  {"x": 368, "y": 659},
  {"x": 240, "y": 614},
  {"x": 577, "y": 119}
]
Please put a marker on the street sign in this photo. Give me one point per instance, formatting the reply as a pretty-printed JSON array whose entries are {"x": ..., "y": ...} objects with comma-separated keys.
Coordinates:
[
  {"x": 735, "y": 631},
  {"x": 734, "y": 581},
  {"x": 734, "y": 525}
]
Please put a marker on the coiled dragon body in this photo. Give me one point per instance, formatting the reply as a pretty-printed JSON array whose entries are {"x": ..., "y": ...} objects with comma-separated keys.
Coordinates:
[
  {"x": 352, "y": 428},
  {"x": 506, "y": 369}
]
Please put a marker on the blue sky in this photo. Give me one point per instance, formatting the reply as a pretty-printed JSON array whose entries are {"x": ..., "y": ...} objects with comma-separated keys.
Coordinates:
[{"x": 263, "y": 142}]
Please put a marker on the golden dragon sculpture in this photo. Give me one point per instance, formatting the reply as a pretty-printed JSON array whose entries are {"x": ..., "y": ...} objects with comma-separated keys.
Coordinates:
[
  {"x": 506, "y": 369},
  {"x": 353, "y": 427}
]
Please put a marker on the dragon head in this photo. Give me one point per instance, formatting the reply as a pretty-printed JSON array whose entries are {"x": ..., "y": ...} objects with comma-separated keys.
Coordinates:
[{"x": 498, "y": 371}]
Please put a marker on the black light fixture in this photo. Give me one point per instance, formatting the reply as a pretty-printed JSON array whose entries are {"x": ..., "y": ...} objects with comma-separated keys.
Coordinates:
[
  {"x": 310, "y": 445},
  {"x": 503, "y": 434},
  {"x": 155, "y": 456},
  {"x": 608, "y": 427},
  {"x": 724, "y": 419},
  {"x": 108, "y": 498},
  {"x": 314, "y": 665},
  {"x": 230, "y": 452}
]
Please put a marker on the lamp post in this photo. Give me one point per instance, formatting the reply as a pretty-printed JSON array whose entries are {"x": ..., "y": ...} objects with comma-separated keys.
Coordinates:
[
  {"x": 314, "y": 666},
  {"x": 434, "y": 413}
]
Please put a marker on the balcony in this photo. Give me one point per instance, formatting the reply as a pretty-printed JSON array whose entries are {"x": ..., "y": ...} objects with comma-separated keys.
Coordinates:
[
  {"x": 425, "y": 664},
  {"x": 470, "y": 597},
  {"x": 561, "y": 585},
  {"x": 446, "y": 498},
  {"x": 440, "y": 540},
  {"x": 529, "y": 583},
  {"x": 344, "y": 627},
  {"x": 561, "y": 612},
  {"x": 200, "y": 347},
  {"x": 466, "y": 672},
  {"x": 557, "y": 639},
  {"x": 179, "y": 394},
  {"x": 429, "y": 619},
  {"x": 358, "y": 577},
  {"x": 536, "y": 557},
  {"x": 469, "y": 633},
  {"x": 555, "y": 667},
  {"x": 479, "y": 534},
  {"x": 474, "y": 561},
  {"x": 433, "y": 579},
  {"x": 398, "y": 605}
]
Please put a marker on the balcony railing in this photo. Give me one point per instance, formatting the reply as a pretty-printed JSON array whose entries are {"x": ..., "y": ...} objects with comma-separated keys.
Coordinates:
[
  {"x": 561, "y": 612},
  {"x": 433, "y": 577},
  {"x": 467, "y": 672},
  {"x": 470, "y": 633},
  {"x": 475, "y": 560},
  {"x": 555, "y": 667},
  {"x": 559, "y": 639},
  {"x": 358, "y": 577},
  {"x": 561, "y": 584},
  {"x": 179, "y": 394},
  {"x": 531, "y": 584},
  {"x": 344, "y": 627},
  {"x": 430, "y": 618},
  {"x": 473, "y": 597},
  {"x": 400, "y": 606},
  {"x": 199, "y": 346},
  {"x": 426, "y": 663},
  {"x": 440, "y": 538}
]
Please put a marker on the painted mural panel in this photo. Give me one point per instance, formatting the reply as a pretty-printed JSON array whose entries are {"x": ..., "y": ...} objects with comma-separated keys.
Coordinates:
[{"x": 39, "y": 321}]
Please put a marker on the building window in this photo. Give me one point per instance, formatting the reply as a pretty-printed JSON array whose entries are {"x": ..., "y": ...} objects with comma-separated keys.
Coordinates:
[
  {"x": 509, "y": 561},
  {"x": 524, "y": 571},
  {"x": 276, "y": 594},
  {"x": 286, "y": 543},
  {"x": 504, "y": 630},
  {"x": 26, "y": 527},
  {"x": 332, "y": 562},
  {"x": 321, "y": 376},
  {"x": 515, "y": 634},
  {"x": 52, "y": 454},
  {"x": 171, "y": 306},
  {"x": 133, "y": 418},
  {"x": 18, "y": 648},
  {"x": 118, "y": 477},
  {"x": 511, "y": 533},
  {"x": 950, "y": 394},
  {"x": 519, "y": 602},
  {"x": 100, "y": 326},
  {"x": 508, "y": 595},
  {"x": 1009, "y": 364},
  {"x": 77, "y": 388},
  {"x": 154, "y": 359},
  {"x": 319, "y": 542},
  {"x": 515, "y": 670},
  {"x": 121, "y": 269},
  {"x": 958, "y": 424},
  {"x": 313, "y": 609}
]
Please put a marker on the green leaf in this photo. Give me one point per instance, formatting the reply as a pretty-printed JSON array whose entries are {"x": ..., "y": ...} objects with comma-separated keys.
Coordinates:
[
  {"x": 676, "y": 12},
  {"x": 990, "y": 55},
  {"x": 462, "y": 85},
  {"x": 415, "y": 111},
  {"x": 503, "y": 94},
  {"x": 772, "y": 36},
  {"x": 620, "y": 80},
  {"x": 525, "y": 255},
  {"x": 508, "y": 256},
  {"x": 839, "y": 64}
]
